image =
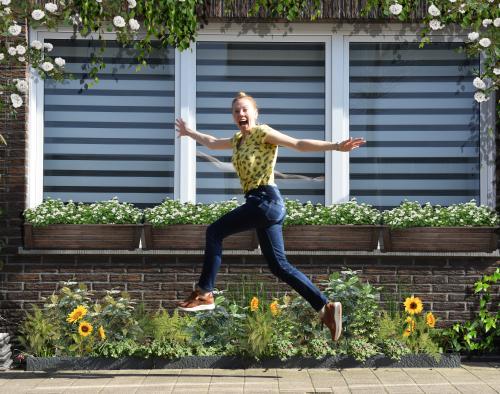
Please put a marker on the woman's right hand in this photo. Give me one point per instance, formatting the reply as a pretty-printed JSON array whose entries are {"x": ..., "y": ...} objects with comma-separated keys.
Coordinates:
[{"x": 182, "y": 129}]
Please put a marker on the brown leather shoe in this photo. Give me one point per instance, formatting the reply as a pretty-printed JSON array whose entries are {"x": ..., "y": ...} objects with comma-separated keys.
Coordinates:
[
  {"x": 333, "y": 319},
  {"x": 197, "y": 302}
]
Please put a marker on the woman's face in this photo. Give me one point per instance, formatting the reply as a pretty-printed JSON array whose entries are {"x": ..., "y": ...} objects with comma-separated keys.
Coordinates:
[{"x": 244, "y": 114}]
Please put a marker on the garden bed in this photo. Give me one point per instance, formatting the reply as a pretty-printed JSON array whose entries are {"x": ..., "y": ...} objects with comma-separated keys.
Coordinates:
[{"x": 234, "y": 362}]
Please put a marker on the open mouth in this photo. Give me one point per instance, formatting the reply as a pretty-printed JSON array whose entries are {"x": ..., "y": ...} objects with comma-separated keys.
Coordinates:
[{"x": 243, "y": 123}]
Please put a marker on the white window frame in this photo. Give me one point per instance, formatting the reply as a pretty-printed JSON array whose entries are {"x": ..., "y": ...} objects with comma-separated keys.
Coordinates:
[{"x": 336, "y": 38}]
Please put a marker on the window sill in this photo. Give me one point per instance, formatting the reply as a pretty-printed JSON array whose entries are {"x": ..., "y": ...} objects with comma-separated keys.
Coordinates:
[{"x": 256, "y": 252}]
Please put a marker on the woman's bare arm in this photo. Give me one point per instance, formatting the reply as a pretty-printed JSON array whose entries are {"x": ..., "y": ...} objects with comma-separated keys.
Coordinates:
[
  {"x": 204, "y": 139},
  {"x": 309, "y": 145}
]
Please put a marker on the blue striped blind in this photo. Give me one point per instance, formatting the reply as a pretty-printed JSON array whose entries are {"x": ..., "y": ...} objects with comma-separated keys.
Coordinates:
[
  {"x": 415, "y": 108},
  {"x": 117, "y": 137},
  {"x": 288, "y": 82}
]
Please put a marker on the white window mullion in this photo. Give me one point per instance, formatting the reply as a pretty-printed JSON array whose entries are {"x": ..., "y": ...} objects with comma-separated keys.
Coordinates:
[
  {"x": 185, "y": 149},
  {"x": 339, "y": 118}
]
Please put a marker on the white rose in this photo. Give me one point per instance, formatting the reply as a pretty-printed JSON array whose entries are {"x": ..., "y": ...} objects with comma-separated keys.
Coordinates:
[
  {"x": 480, "y": 97},
  {"x": 118, "y": 21},
  {"x": 461, "y": 9},
  {"x": 134, "y": 25},
  {"x": 47, "y": 66},
  {"x": 131, "y": 3},
  {"x": 22, "y": 85},
  {"x": 479, "y": 83},
  {"x": 435, "y": 24},
  {"x": 434, "y": 11},
  {"x": 20, "y": 50},
  {"x": 2, "y": 56},
  {"x": 452, "y": 1},
  {"x": 16, "y": 100},
  {"x": 12, "y": 51},
  {"x": 473, "y": 36},
  {"x": 60, "y": 61},
  {"x": 5, "y": 2},
  {"x": 485, "y": 42},
  {"x": 51, "y": 7},
  {"x": 496, "y": 71},
  {"x": 15, "y": 30},
  {"x": 487, "y": 22},
  {"x": 496, "y": 22},
  {"x": 7, "y": 10},
  {"x": 37, "y": 14},
  {"x": 48, "y": 46},
  {"x": 396, "y": 9},
  {"x": 21, "y": 58},
  {"x": 98, "y": 1},
  {"x": 36, "y": 44}
]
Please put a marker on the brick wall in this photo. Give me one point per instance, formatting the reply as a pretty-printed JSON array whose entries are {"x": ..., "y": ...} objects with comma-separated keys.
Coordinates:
[{"x": 445, "y": 285}]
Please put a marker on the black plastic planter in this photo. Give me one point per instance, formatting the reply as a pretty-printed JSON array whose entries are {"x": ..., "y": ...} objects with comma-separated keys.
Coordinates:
[{"x": 230, "y": 362}]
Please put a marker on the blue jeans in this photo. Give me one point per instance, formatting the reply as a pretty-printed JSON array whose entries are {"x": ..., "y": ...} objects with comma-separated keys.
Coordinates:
[{"x": 265, "y": 211}]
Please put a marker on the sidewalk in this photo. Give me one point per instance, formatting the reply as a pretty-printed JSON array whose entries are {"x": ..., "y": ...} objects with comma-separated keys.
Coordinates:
[{"x": 476, "y": 378}]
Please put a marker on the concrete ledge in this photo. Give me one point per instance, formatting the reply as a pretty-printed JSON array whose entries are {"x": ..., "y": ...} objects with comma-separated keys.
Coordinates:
[
  {"x": 234, "y": 362},
  {"x": 256, "y": 252}
]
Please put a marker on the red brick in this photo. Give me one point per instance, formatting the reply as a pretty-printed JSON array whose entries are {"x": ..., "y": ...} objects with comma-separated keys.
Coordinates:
[
  {"x": 394, "y": 279},
  {"x": 448, "y": 288},
  {"x": 46, "y": 286},
  {"x": 125, "y": 278},
  {"x": 165, "y": 277},
  {"x": 23, "y": 277},
  {"x": 143, "y": 286},
  {"x": 448, "y": 306},
  {"x": 463, "y": 279}
]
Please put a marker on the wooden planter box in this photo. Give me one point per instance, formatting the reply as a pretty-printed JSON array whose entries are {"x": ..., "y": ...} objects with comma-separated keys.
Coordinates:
[
  {"x": 341, "y": 237},
  {"x": 192, "y": 236},
  {"x": 440, "y": 239},
  {"x": 82, "y": 236}
]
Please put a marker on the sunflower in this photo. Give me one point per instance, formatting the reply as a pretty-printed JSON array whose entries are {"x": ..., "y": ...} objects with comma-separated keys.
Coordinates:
[
  {"x": 85, "y": 328},
  {"x": 275, "y": 308},
  {"x": 411, "y": 324},
  {"x": 413, "y": 305},
  {"x": 102, "y": 333},
  {"x": 407, "y": 333},
  {"x": 430, "y": 320},
  {"x": 78, "y": 313},
  {"x": 254, "y": 304}
]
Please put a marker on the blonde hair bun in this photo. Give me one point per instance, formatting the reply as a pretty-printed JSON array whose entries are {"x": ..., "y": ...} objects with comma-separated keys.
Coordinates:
[{"x": 241, "y": 95}]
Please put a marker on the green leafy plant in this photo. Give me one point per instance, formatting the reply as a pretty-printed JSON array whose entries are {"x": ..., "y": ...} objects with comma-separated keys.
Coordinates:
[
  {"x": 482, "y": 333},
  {"x": 39, "y": 334},
  {"x": 346, "y": 213},
  {"x": 105, "y": 212},
  {"x": 412, "y": 214}
]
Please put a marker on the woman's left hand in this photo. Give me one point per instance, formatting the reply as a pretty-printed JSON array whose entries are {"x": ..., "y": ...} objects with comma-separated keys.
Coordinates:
[{"x": 350, "y": 144}]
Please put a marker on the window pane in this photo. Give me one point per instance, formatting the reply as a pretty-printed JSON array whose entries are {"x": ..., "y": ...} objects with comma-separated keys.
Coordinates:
[
  {"x": 288, "y": 82},
  {"x": 117, "y": 137},
  {"x": 415, "y": 107}
]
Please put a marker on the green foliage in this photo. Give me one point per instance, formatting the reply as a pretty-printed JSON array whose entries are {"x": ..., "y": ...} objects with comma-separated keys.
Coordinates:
[
  {"x": 170, "y": 327},
  {"x": 289, "y": 9},
  {"x": 412, "y": 214},
  {"x": 361, "y": 349},
  {"x": 104, "y": 212},
  {"x": 394, "y": 348},
  {"x": 482, "y": 333},
  {"x": 39, "y": 333},
  {"x": 359, "y": 303},
  {"x": 346, "y": 213},
  {"x": 258, "y": 333}
]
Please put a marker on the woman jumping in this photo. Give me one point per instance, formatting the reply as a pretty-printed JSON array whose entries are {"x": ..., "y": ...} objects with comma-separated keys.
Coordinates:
[{"x": 255, "y": 149}]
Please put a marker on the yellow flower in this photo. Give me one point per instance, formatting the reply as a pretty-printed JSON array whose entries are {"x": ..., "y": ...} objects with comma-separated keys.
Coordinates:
[
  {"x": 102, "y": 333},
  {"x": 407, "y": 332},
  {"x": 430, "y": 319},
  {"x": 275, "y": 308},
  {"x": 254, "y": 304},
  {"x": 78, "y": 313},
  {"x": 413, "y": 305},
  {"x": 85, "y": 329},
  {"x": 411, "y": 324}
]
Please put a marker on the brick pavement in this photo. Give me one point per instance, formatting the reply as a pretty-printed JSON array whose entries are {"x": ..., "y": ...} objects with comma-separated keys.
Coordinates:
[{"x": 474, "y": 378}]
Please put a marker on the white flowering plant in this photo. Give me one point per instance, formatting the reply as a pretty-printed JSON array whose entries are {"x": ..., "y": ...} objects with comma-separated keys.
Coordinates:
[
  {"x": 479, "y": 18},
  {"x": 175, "y": 212},
  {"x": 412, "y": 214},
  {"x": 350, "y": 212},
  {"x": 52, "y": 211}
]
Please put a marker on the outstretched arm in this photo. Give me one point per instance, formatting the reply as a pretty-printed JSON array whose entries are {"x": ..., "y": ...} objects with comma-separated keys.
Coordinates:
[
  {"x": 306, "y": 145},
  {"x": 205, "y": 139}
]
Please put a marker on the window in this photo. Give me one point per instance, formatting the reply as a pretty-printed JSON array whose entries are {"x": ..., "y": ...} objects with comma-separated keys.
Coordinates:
[
  {"x": 288, "y": 81},
  {"x": 115, "y": 138},
  {"x": 415, "y": 108}
]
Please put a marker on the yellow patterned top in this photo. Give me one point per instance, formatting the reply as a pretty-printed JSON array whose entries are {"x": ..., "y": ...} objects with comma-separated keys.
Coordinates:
[{"x": 254, "y": 159}]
